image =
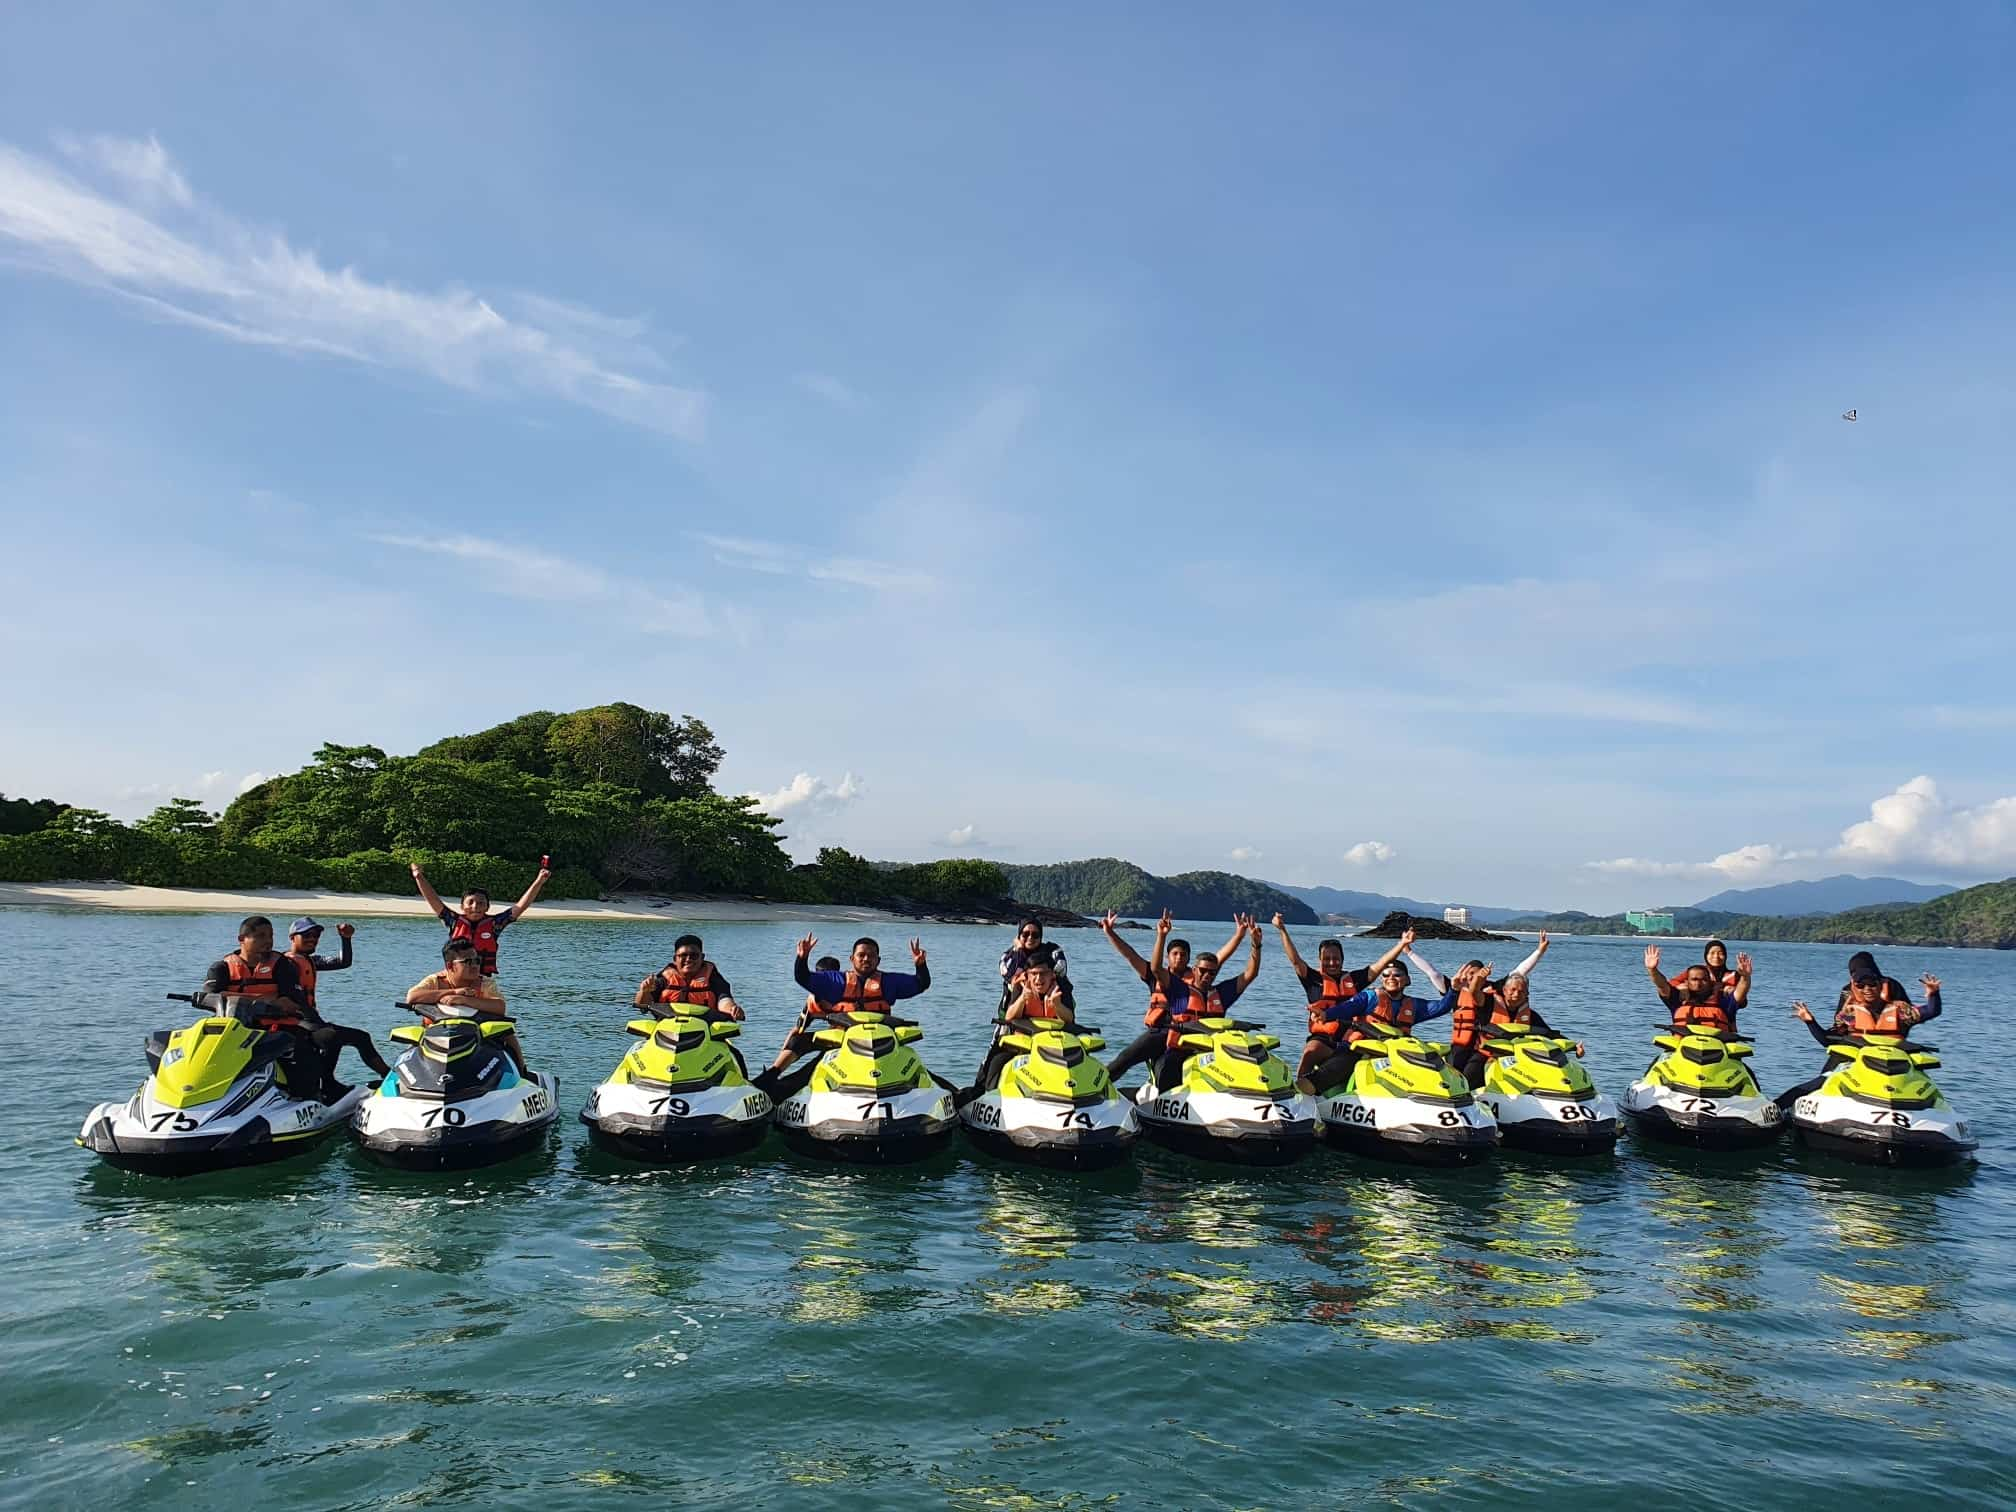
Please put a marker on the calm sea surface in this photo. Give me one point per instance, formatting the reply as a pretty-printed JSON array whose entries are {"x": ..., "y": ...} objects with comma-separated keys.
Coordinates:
[{"x": 567, "y": 1331}]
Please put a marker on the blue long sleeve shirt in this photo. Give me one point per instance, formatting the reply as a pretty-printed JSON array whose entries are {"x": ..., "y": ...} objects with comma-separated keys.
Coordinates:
[
  {"x": 831, "y": 986},
  {"x": 1361, "y": 1005}
]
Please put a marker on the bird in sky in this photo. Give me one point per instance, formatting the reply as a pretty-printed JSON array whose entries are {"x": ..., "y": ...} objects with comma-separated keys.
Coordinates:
[{"x": 1847, "y": 414}]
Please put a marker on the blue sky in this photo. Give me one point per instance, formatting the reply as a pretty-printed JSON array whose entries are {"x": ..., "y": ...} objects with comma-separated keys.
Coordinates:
[{"x": 1398, "y": 450}]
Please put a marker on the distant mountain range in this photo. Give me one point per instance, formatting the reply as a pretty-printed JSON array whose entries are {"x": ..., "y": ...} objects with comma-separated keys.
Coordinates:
[
  {"x": 1983, "y": 917},
  {"x": 1092, "y": 887},
  {"x": 1828, "y": 895},
  {"x": 1370, "y": 905}
]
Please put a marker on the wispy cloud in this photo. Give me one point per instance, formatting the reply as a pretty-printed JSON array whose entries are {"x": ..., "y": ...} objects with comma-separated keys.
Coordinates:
[
  {"x": 806, "y": 795},
  {"x": 1913, "y": 826},
  {"x": 150, "y": 239},
  {"x": 782, "y": 560},
  {"x": 523, "y": 572},
  {"x": 835, "y": 392}
]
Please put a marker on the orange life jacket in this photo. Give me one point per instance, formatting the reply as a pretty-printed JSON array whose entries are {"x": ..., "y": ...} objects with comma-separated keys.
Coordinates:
[
  {"x": 257, "y": 982},
  {"x": 1335, "y": 990},
  {"x": 1463, "y": 1019},
  {"x": 1158, "y": 1000},
  {"x": 1709, "y": 1015},
  {"x": 1399, "y": 1013},
  {"x": 862, "y": 994},
  {"x": 675, "y": 986},
  {"x": 1855, "y": 1019},
  {"x": 304, "y": 968},
  {"x": 1204, "y": 1003}
]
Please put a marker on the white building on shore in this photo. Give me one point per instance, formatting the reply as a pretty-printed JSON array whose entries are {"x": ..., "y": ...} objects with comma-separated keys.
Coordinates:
[{"x": 1460, "y": 917}]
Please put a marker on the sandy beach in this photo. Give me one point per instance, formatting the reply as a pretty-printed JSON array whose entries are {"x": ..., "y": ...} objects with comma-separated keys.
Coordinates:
[{"x": 332, "y": 906}]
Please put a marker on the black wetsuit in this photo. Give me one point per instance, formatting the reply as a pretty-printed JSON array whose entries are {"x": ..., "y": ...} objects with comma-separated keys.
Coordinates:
[{"x": 311, "y": 1051}]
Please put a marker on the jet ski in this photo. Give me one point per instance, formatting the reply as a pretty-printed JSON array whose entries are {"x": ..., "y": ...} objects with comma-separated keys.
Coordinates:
[
  {"x": 1540, "y": 1097},
  {"x": 1878, "y": 1106},
  {"x": 869, "y": 1100},
  {"x": 1053, "y": 1104},
  {"x": 681, "y": 1095},
  {"x": 216, "y": 1096},
  {"x": 454, "y": 1100},
  {"x": 1404, "y": 1101},
  {"x": 1235, "y": 1100},
  {"x": 1701, "y": 1092}
]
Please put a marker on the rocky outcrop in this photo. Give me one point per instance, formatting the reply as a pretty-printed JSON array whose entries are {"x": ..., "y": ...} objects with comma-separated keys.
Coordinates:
[{"x": 1396, "y": 924}]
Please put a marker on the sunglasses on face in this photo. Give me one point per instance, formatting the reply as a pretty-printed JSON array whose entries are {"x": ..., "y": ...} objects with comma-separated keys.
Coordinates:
[{"x": 685, "y": 955}]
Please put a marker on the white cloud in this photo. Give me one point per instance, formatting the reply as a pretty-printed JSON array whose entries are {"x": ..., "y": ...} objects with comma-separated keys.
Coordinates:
[
  {"x": 1369, "y": 853},
  {"x": 1244, "y": 853},
  {"x": 832, "y": 390},
  {"x": 963, "y": 838},
  {"x": 528, "y": 574},
  {"x": 212, "y": 789},
  {"x": 1915, "y": 825},
  {"x": 144, "y": 167},
  {"x": 221, "y": 275},
  {"x": 782, "y": 560},
  {"x": 806, "y": 795}
]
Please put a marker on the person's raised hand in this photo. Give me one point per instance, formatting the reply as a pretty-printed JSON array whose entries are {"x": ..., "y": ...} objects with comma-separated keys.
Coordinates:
[
  {"x": 805, "y": 947},
  {"x": 1929, "y": 982},
  {"x": 917, "y": 952},
  {"x": 1544, "y": 942},
  {"x": 1407, "y": 938},
  {"x": 417, "y": 870},
  {"x": 649, "y": 984},
  {"x": 1111, "y": 921},
  {"x": 344, "y": 931},
  {"x": 1279, "y": 922},
  {"x": 1651, "y": 957},
  {"x": 1164, "y": 924},
  {"x": 1743, "y": 962},
  {"x": 1801, "y": 1011}
]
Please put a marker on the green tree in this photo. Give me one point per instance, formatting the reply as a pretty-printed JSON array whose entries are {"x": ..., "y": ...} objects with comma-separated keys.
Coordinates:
[
  {"x": 486, "y": 808},
  {"x": 23, "y": 816},
  {"x": 620, "y": 743},
  {"x": 520, "y": 742},
  {"x": 179, "y": 816},
  {"x": 325, "y": 809}
]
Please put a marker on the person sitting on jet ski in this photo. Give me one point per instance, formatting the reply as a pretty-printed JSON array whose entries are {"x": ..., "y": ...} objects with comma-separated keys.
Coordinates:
[
  {"x": 1721, "y": 982},
  {"x": 1155, "y": 1036},
  {"x": 1694, "y": 997},
  {"x": 1894, "y": 991},
  {"x": 1388, "y": 1003},
  {"x": 256, "y": 970},
  {"x": 303, "y": 935},
  {"x": 864, "y": 988},
  {"x": 690, "y": 978},
  {"x": 1041, "y": 996},
  {"x": 1029, "y": 945},
  {"x": 1868, "y": 1008},
  {"x": 1330, "y": 983},
  {"x": 1489, "y": 1005},
  {"x": 1202, "y": 996},
  {"x": 461, "y": 984}
]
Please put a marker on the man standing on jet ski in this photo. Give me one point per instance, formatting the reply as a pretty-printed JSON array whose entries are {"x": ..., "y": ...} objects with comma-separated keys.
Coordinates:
[
  {"x": 1694, "y": 996},
  {"x": 475, "y": 923},
  {"x": 1330, "y": 983},
  {"x": 303, "y": 935},
  {"x": 865, "y": 988},
  {"x": 1155, "y": 1036},
  {"x": 461, "y": 984},
  {"x": 255, "y": 970}
]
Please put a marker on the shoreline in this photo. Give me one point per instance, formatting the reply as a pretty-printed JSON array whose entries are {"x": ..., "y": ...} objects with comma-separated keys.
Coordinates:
[{"x": 279, "y": 903}]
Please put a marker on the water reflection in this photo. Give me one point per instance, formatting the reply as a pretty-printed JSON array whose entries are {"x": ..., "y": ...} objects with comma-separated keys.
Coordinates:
[{"x": 847, "y": 1228}]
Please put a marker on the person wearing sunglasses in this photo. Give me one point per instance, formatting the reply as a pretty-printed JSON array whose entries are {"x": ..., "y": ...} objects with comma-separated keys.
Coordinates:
[
  {"x": 690, "y": 978},
  {"x": 1030, "y": 947}
]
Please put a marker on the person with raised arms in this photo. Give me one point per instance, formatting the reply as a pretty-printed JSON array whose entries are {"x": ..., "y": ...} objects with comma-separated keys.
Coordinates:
[
  {"x": 1330, "y": 983},
  {"x": 1040, "y": 996},
  {"x": 1869, "y": 1006},
  {"x": 1694, "y": 996},
  {"x": 1723, "y": 981},
  {"x": 1200, "y": 996},
  {"x": 1387, "y": 1003},
  {"x": 303, "y": 935},
  {"x": 864, "y": 987},
  {"x": 1030, "y": 945},
  {"x": 1153, "y": 1037},
  {"x": 474, "y": 922}
]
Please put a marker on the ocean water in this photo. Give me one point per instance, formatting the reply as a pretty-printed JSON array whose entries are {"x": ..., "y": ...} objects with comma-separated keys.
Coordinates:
[{"x": 567, "y": 1331}]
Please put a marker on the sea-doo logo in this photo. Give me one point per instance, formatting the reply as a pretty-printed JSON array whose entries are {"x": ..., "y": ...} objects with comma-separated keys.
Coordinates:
[{"x": 987, "y": 1114}]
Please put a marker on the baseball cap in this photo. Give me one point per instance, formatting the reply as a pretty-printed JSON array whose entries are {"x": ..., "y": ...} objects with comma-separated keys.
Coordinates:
[{"x": 303, "y": 925}]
